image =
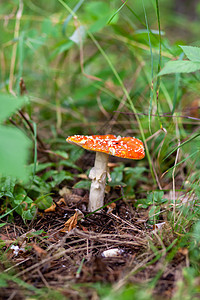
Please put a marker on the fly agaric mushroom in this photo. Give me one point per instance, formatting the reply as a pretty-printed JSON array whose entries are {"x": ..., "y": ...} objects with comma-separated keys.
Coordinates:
[{"x": 105, "y": 145}]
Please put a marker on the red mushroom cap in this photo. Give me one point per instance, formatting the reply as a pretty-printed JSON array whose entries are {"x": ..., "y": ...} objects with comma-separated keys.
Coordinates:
[{"x": 125, "y": 147}]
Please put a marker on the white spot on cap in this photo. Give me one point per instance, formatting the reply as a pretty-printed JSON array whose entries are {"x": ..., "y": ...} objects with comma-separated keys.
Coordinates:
[{"x": 112, "y": 150}]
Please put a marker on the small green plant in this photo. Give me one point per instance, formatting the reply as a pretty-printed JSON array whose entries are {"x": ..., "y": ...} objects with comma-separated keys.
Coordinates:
[
  {"x": 184, "y": 66},
  {"x": 127, "y": 177}
]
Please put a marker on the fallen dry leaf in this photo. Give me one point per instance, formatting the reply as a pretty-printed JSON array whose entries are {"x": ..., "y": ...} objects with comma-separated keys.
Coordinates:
[
  {"x": 84, "y": 228},
  {"x": 39, "y": 251},
  {"x": 64, "y": 191},
  {"x": 52, "y": 208},
  {"x": 82, "y": 176},
  {"x": 60, "y": 201},
  {"x": 5, "y": 239},
  {"x": 72, "y": 222},
  {"x": 112, "y": 165}
]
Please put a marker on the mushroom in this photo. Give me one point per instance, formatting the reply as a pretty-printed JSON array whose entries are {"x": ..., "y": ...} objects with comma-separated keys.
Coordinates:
[{"x": 105, "y": 145}]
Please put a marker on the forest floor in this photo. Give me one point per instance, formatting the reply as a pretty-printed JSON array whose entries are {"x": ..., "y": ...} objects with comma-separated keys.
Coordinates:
[{"x": 69, "y": 256}]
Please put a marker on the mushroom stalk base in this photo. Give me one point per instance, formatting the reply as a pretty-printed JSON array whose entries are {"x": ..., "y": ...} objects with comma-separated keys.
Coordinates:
[{"x": 98, "y": 175}]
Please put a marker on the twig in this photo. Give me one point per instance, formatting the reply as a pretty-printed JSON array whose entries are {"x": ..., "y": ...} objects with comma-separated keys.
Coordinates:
[
  {"x": 126, "y": 222},
  {"x": 55, "y": 256},
  {"x": 124, "y": 280}
]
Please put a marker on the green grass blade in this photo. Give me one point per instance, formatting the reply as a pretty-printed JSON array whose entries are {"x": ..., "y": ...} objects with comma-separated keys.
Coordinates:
[
  {"x": 159, "y": 60},
  {"x": 176, "y": 87},
  {"x": 189, "y": 140},
  {"x": 118, "y": 10},
  {"x": 4, "y": 215},
  {"x": 35, "y": 149},
  {"x": 76, "y": 7},
  {"x": 183, "y": 160},
  {"x": 151, "y": 54}
]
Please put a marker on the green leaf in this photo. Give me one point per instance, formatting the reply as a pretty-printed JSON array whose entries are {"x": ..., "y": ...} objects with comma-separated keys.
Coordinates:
[
  {"x": 13, "y": 152},
  {"x": 69, "y": 164},
  {"x": 60, "y": 176},
  {"x": 9, "y": 104},
  {"x": 98, "y": 25},
  {"x": 192, "y": 53},
  {"x": 29, "y": 214},
  {"x": 40, "y": 186},
  {"x": 62, "y": 154},
  {"x": 97, "y": 9},
  {"x": 117, "y": 174},
  {"x": 35, "y": 233},
  {"x": 7, "y": 185},
  {"x": 43, "y": 202},
  {"x": 42, "y": 166},
  {"x": 82, "y": 184},
  {"x": 153, "y": 213},
  {"x": 142, "y": 203},
  {"x": 135, "y": 171},
  {"x": 3, "y": 283},
  {"x": 180, "y": 66},
  {"x": 20, "y": 198}
]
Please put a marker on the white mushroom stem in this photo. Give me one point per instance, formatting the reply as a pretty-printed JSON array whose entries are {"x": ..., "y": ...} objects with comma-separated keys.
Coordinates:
[{"x": 98, "y": 175}]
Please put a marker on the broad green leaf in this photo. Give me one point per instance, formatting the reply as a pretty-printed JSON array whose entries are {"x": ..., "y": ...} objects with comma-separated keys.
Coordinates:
[
  {"x": 9, "y": 104},
  {"x": 42, "y": 166},
  {"x": 68, "y": 163},
  {"x": 40, "y": 186},
  {"x": 29, "y": 214},
  {"x": 13, "y": 152},
  {"x": 117, "y": 175},
  {"x": 192, "y": 53},
  {"x": 64, "y": 47},
  {"x": 196, "y": 232},
  {"x": 60, "y": 48},
  {"x": 58, "y": 177},
  {"x": 49, "y": 28},
  {"x": 153, "y": 213},
  {"x": 97, "y": 9},
  {"x": 135, "y": 171},
  {"x": 180, "y": 66},
  {"x": 62, "y": 154},
  {"x": 3, "y": 283},
  {"x": 7, "y": 185},
  {"x": 99, "y": 24},
  {"x": 20, "y": 198},
  {"x": 35, "y": 233},
  {"x": 43, "y": 202},
  {"x": 82, "y": 184}
]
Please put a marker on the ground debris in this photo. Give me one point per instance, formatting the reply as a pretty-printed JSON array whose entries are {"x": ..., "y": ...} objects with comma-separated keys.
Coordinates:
[{"x": 55, "y": 256}]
